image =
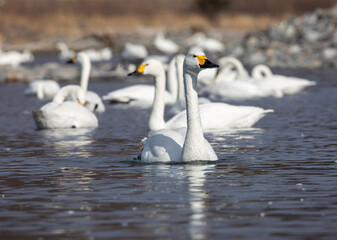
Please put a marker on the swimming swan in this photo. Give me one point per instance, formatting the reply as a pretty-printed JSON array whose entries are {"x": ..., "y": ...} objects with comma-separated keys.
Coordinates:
[
  {"x": 213, "y": 115},
  {"x": 167, "y": 145},
  {"x": 165, "y": 45},
  {"x": 139, "y": 94},
  {"x": 42, "y": 89},
  {"x": 263, "y": 76},
  {"x": 93, "y": 100},
  {"x": 238, "y": 87},
  {"x": 65, "y": 114}
]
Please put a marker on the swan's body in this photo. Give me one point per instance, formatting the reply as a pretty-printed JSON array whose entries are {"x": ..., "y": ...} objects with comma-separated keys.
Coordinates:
[
  {"x": 93, "y": 101},
  {"x": 263, "y": 76},
  {"x": 43, "y": 89},
  {"x": 165, "y": 45},
  {"x": 14, "y": 58},
  {"x": 222, "y": 116},
  {"x": 229, "y": 86},
  {"x": 133, "y": 52},
  {"x": 65, "y": 52},
  {"x": 139, "y": 94},
  {"x": 165, "y": 145},
  {"x": 65, "y": 114},
  {"x": 210, "y": 45},
  {"x": 93, "y": 54}
]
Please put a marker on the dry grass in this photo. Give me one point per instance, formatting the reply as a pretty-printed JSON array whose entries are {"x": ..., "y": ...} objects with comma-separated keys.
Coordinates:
[
  {"x": 30, "y": 20},
  {"x": 20, "y": 28}
]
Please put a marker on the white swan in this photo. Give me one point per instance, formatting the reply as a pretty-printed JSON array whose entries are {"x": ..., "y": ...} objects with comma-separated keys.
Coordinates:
[
  {"x": 42, "y": 89},
  {"x": 15, "y": 58},
  {"x": 210, "y": 45},
  {"x": 139, "y": 94},
  {"x": 133, "y": 52},
  {"x": 165, "y": 45},
  {"x": 65, "y": 114},
  {"x": 213, "y": 115},
  {"x": 93, "y": 100},
  {"x": 238, "y": 88},
  {"x": 65, "y": 53},
  {"x": 93, "y": 54},
  {"x": 263, "y": 76},
  {"x": 170, "y": 146}
]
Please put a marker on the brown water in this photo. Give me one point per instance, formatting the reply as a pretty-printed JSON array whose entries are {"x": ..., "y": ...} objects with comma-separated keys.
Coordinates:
[{"x": 275, "y": 181}]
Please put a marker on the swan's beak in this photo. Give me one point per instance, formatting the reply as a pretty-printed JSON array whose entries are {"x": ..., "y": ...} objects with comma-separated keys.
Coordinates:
[
  {"x": 205, "y": 63},
  {"x": 72, "y": 60},
  {"x": 139, "y": 71},
  {"x": 80, "y": 103}
]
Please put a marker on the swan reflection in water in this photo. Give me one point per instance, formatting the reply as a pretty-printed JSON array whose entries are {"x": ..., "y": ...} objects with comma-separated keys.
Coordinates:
[
  {"x": 68, "y": 142},
  {"x": 190, "y": 175},
  {"x": 198, "y": 196}
]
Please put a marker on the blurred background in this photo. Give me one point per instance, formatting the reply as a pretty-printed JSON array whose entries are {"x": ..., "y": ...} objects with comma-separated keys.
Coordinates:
[{"x": 282, "y": 34}]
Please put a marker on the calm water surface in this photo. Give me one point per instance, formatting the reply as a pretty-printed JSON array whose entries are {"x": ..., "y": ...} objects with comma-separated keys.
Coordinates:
[{"x": 275, "y": 181}]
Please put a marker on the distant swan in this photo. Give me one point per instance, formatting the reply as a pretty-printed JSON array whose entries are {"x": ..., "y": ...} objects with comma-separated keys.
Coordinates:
[
  {"x": 238, "y": 87},
  {"x": 42, "y": 89},
  {"x": 93, "y": 100},
  {"x": 65, "y": 114},
  {"x": 93, "y": 54},
  {"x": 165, "y": 45},
  {"x": 263, "y": 76},
  {"x": 167, "y": 145}
]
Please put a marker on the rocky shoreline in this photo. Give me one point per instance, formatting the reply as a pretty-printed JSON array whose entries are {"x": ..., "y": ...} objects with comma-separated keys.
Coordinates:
[{"x": 308, "y": 41}]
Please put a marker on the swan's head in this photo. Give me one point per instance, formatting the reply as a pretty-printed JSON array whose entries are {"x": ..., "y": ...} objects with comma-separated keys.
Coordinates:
[
  {"x": 196, "y": 61},
  {"x": 81, "y": 57},
  {"x": 71, "y": 92},
  {"x": 149, "y": 67}
]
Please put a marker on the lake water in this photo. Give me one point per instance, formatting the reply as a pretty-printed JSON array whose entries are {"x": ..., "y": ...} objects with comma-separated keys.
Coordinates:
[{"x": 274, "y": 181}]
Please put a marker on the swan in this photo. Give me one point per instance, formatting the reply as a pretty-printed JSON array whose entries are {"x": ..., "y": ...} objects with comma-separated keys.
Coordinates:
[
  {"x": 238, "y": 87},
  {"x": 42, "y": 89},
  {"x": 210, "y": 45},
  {"x": 94, "y": 55},
  {"x": 165, "y": 45},
  {"x": 15, "y": 58},
  {"x": 263, "y": 76},
  {"x": 133, "y": 52},
  {"x": 166, "y": 145},
  {"x": 213, "y": 115},
  {"x": 93, "y": 100},
  {"x": 139, "y": 94},
  {"x": 65, "y": 53},
  {"x": 65, "y": 114}
]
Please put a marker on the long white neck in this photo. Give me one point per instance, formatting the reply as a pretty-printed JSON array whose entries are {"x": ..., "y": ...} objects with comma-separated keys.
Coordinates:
[
  {"x": 194, "y": 147},
  {"x": 172, "y": 83},
  {"x": 157, "y": 121},
  {"x": 181, "y": 90},
  {"x": 85, "y": 73}
]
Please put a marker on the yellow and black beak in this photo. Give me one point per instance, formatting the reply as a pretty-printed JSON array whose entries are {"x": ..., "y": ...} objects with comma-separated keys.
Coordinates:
[
  {"x": 72, "y": 60},
  {"x": 139, "y": 71},
  {"x": 205, "y": 63}
]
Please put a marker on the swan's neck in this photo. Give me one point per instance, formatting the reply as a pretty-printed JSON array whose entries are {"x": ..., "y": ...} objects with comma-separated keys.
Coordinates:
[
  {"x": 181, "y": 91},
  {"x": 172, "y": 79},
  {"x": 157, "y": 121},
  {"x": 85, "y": 73},
  {"x": 194, "y": 145}
]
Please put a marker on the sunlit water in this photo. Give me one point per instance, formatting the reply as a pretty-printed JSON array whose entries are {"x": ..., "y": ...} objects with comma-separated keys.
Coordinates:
[{"x": 275, "y": 181}]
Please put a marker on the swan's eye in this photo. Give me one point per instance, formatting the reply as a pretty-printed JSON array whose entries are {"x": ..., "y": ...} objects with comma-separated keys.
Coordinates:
[{"x": 194, "y": 56}]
